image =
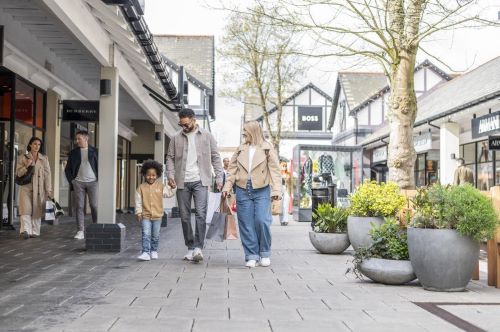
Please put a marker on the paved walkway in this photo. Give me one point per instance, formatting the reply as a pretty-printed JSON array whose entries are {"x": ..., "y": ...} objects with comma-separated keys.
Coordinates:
[{"x": 52, "y": 284}]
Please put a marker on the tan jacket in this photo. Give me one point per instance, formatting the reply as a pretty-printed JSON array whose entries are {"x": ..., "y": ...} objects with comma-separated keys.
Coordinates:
[
  {"x": 207, "y": 155},
  {"x": 149, "y": 199},
  {"x": 265, "y": 169},
  {"x": 32, "y": 196},
  {"x": 463, "y": 174}
]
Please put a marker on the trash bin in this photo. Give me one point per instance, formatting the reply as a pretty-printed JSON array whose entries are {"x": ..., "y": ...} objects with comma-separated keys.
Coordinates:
[
  {"x": 318, "y": 196},
  {"x": 332, "y": 194}
]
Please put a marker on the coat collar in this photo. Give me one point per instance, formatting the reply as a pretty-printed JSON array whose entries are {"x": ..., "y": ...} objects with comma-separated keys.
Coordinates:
[{"x": 258, "y": 158}]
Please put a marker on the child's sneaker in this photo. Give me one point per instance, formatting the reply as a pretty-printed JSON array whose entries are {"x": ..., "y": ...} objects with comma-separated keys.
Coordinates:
[
  {"x": 144, "y": 257},
  {"x": 154, "y": 255}
]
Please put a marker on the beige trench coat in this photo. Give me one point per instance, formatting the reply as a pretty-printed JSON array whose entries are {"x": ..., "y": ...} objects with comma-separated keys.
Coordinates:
[{"x": 32, "y": 196}]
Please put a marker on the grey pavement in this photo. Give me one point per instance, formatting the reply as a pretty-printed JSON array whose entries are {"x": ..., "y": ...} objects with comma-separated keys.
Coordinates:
[{"x": 52, "y": 284}]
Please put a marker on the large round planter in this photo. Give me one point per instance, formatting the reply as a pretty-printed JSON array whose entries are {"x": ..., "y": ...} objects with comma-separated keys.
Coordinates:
[
  {"x": 442, "y": 259},
  {"x": 358, "y": 229},
  {"x": 387, "y": 271},
  {"x": 329, "y": 243}
]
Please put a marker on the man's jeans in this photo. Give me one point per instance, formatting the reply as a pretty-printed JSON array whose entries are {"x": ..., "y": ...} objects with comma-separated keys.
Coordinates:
[
  {"x": 254, "y": 220},
  {"x": 150, "y": 235},
  {"x": 184, "y": 196},
  {"x": 80, "y": 189}
]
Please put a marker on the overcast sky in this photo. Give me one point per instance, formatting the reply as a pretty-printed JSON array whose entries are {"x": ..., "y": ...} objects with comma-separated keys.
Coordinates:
[{"x": 462, "y": 50}]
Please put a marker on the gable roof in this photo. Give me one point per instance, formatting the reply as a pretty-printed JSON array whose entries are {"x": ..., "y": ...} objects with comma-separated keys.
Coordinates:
[
  {"x": 310, "y": 85},
  {"x": 347, "y": 80},
  {"x": 189, "y": 77},
  {"x": 195, "y": 53},
  {"x": 472, "y": 88}
]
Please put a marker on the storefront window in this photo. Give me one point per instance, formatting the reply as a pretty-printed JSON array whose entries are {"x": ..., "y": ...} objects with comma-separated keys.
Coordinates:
[
  {"x": 5, "y": 97},
  {"x": 39, "y": 109},
  {"x": 484, "y": 176},
  {"x": 469, "y": 153},
  {"x": 24, "y": 102}
]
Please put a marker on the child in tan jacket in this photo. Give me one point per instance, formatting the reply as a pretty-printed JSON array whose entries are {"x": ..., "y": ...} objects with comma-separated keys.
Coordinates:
[{"x": 149, "y": 207}]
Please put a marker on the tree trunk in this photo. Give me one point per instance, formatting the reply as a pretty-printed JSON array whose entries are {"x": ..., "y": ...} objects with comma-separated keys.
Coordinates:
[{"x": 402, "y": 114}]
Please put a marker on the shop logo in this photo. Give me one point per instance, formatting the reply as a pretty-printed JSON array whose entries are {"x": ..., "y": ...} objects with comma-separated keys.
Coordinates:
[
  {"x": 310, "y": 118},
  {"x": 489, "y": 124}
]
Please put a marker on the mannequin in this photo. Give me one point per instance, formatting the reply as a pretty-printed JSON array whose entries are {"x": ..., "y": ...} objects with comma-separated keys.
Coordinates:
[{"x": 326, "y": 168}]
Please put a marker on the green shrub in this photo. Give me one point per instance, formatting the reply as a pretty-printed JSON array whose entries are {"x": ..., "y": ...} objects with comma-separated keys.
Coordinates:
[
  {"x": 389, "y": 242},
  {"x": 374, "y": 199},
  {"x": 463, "y": 208},
  {"x": 330, "y": 219}
]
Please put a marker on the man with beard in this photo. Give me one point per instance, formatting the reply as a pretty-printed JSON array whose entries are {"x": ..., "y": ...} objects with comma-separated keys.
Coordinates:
[{"x": 192, "y": 153}]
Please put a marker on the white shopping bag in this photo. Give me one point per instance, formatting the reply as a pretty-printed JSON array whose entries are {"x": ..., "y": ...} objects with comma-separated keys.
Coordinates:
[
  {"x": 212, "y": 205},
  {"x": 50, "y": 211}
]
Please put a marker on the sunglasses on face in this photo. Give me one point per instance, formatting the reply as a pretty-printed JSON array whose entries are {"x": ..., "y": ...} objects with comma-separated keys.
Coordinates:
[{"x": 184, "y": 125}]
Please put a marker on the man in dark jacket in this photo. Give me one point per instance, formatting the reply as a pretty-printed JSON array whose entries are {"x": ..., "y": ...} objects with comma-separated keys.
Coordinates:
[{"x": 81, "y": 173}]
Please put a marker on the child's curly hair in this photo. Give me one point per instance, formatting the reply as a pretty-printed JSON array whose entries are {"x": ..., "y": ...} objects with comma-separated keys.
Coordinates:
[{"x": 148, "y": 164}]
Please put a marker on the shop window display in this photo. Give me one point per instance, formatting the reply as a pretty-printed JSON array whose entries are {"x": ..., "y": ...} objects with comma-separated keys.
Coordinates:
[{"x": 316, "y": 166}]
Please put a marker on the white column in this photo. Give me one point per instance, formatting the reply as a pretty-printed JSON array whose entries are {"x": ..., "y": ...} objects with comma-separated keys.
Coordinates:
[
  {"x": 108, "y": 141},
  {"x": 160, "y": 144},
  {"x": 449, "y": 144},
  {"x": 53, "y": 139}
]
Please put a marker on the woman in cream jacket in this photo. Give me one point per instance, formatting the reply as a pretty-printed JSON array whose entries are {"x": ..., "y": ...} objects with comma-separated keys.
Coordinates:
[{"x": 254, "y": 171}]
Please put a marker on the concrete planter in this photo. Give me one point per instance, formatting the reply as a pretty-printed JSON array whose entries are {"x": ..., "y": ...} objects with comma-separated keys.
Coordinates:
[
  {"x": 329, "y": 243},
  {"x": 358, "y": 230},
  {"x": 443, "y": 259},
  {"x": 387, "y": 271}
]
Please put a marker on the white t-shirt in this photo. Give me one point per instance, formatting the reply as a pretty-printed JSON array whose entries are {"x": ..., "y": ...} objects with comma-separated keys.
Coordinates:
[
  {"x": 251, "y": 153},
  {"x": 85, "y": 172},
  {"x": 192, "y": 171}
]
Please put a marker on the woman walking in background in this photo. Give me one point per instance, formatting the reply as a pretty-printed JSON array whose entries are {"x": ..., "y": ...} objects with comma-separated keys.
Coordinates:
[
  {"x": 34, "y": 194},
  {"x": 254, "y": 169}
]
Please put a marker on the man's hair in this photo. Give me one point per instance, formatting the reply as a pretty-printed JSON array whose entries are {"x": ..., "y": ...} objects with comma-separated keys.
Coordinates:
[
  {"x": 82, "y": 132},
  {"x": 186, "y": 113},
  {"x": 461, "y": 161},
  {"x": 148, "y": 164}
]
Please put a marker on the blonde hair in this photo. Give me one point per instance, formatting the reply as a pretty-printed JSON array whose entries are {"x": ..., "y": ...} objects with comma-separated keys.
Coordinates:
[{"x": 254, "y": 132}]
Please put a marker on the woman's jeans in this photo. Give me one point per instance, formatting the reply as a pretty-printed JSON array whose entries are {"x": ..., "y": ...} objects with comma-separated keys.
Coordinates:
[
  {"x": 254, "y": 220},
  {"x": 150, "y": 235}
]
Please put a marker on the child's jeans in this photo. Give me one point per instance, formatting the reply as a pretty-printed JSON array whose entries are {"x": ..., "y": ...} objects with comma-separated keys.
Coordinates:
[{"x": 150, "y": 235}]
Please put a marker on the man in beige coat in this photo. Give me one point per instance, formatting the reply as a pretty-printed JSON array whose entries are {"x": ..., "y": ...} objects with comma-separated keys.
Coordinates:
[{"x": 463, "y": 174}]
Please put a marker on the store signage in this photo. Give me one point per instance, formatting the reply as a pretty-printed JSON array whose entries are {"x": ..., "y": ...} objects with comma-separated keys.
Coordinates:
[
  {"x": 494, "y": 142},
  {"x": 422, "y": 142},
  {"x": 379, "y": 154},
  {"x": 80, "y": 110},
  {"x": 310, "y": 118},
  {"x": 485, "y": 125}
]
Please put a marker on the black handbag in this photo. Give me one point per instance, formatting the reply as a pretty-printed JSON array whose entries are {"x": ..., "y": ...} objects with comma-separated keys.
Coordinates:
[{"x": 26, "y": 178}]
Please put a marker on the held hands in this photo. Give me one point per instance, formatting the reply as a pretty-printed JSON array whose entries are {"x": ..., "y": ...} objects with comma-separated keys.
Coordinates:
[
  {"x": 275, "y": 198},
  {"x": 225, "y": 194},
  {"x": 172, "y": 184}
]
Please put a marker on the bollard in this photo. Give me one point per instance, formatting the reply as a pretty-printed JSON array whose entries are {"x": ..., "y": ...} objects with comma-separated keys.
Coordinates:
[
  {"x": 332, "y": 194},
  {"x": 318, "y": 196}
]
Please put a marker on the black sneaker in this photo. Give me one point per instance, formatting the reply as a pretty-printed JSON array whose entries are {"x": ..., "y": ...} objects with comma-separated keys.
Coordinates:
[{"x": 24, "y": 235}]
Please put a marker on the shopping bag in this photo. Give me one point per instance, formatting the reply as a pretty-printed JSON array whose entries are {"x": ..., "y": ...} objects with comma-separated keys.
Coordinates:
[
  {"x": 230, "y": 229},
  {"x": 216, "y": 228},
  {"x": 49, "y": 211},
  {"x": 276, "y": 207},
  {"x": 212, "y": 205},
  {"x": 58, "y": 210}
]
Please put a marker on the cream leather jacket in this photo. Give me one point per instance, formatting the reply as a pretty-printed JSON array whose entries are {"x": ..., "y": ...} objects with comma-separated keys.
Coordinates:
[{"x": 265, "y": 169}]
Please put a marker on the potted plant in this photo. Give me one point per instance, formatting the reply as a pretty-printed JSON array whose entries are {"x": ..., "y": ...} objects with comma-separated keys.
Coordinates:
[
  {"x": 370, "y": 203},
  {"x": 386, "y": 261},
  {"x": 444, "y": 236},
  {"x": 329, "y": 235}
]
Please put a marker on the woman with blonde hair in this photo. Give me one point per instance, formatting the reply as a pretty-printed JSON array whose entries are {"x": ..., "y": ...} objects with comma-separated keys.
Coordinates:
[
  {"x": 254, "y": 171},
  {"x": 34, "y": 194}
]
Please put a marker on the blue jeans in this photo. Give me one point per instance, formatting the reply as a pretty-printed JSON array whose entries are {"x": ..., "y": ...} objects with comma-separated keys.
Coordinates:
[
  {"x": 150, "y": 235},
  {"x": 254, "y": 220}
]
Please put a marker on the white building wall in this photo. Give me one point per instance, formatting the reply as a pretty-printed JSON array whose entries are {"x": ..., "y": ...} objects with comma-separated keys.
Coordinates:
[
  {"x": 432, "y": 79},
  {"x": 376, "y": 112},
  {"x": 363, "y": 116},
  {"x": 419, "y": 79}
]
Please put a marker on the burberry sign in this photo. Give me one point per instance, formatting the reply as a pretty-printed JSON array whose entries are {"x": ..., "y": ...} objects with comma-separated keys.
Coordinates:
[{"x": 80, "y": 110}]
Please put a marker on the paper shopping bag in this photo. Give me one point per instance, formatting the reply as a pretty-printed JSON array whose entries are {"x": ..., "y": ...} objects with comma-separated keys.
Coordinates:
[
  {"x": 230, "y": 231},
  {"x": 49, "y": 211},
  {"x": 217, "y": 225},
  {"x": 212, "y": 205}
]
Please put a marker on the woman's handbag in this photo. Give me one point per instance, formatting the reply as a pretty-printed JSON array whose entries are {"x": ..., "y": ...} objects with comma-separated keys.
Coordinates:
[{"x": 26, "y": 177}]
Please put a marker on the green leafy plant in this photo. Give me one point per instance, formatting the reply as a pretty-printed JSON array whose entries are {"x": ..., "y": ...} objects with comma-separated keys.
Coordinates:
[
  {"x": 330, "y": 219},
  {"x": 463, "y": 208},
  {"x": 374, "y": 199},
  {"x": 389, "y": 242}
]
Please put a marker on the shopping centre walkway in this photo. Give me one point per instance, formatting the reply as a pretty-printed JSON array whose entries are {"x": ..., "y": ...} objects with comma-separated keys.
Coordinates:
[{"x": 52, "y": 284}]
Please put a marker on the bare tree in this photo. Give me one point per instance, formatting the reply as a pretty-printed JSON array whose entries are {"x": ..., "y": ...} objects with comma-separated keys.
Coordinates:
[
  {"x": 262, "y": 63},
  {"x": 388, "y": 32}
]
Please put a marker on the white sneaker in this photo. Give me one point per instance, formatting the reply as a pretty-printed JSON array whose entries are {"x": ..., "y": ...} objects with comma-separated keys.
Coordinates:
[
  {"x": 154, "y": 254},
  {"x": 251, "y": 263},
  {"x": 189, "y": 255},
  {"x": 79, "y": 235},
  {"x": 197, "y": 255},
  {"x": 144, "y": 257},
  {"x": 265, "y": 261}
]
